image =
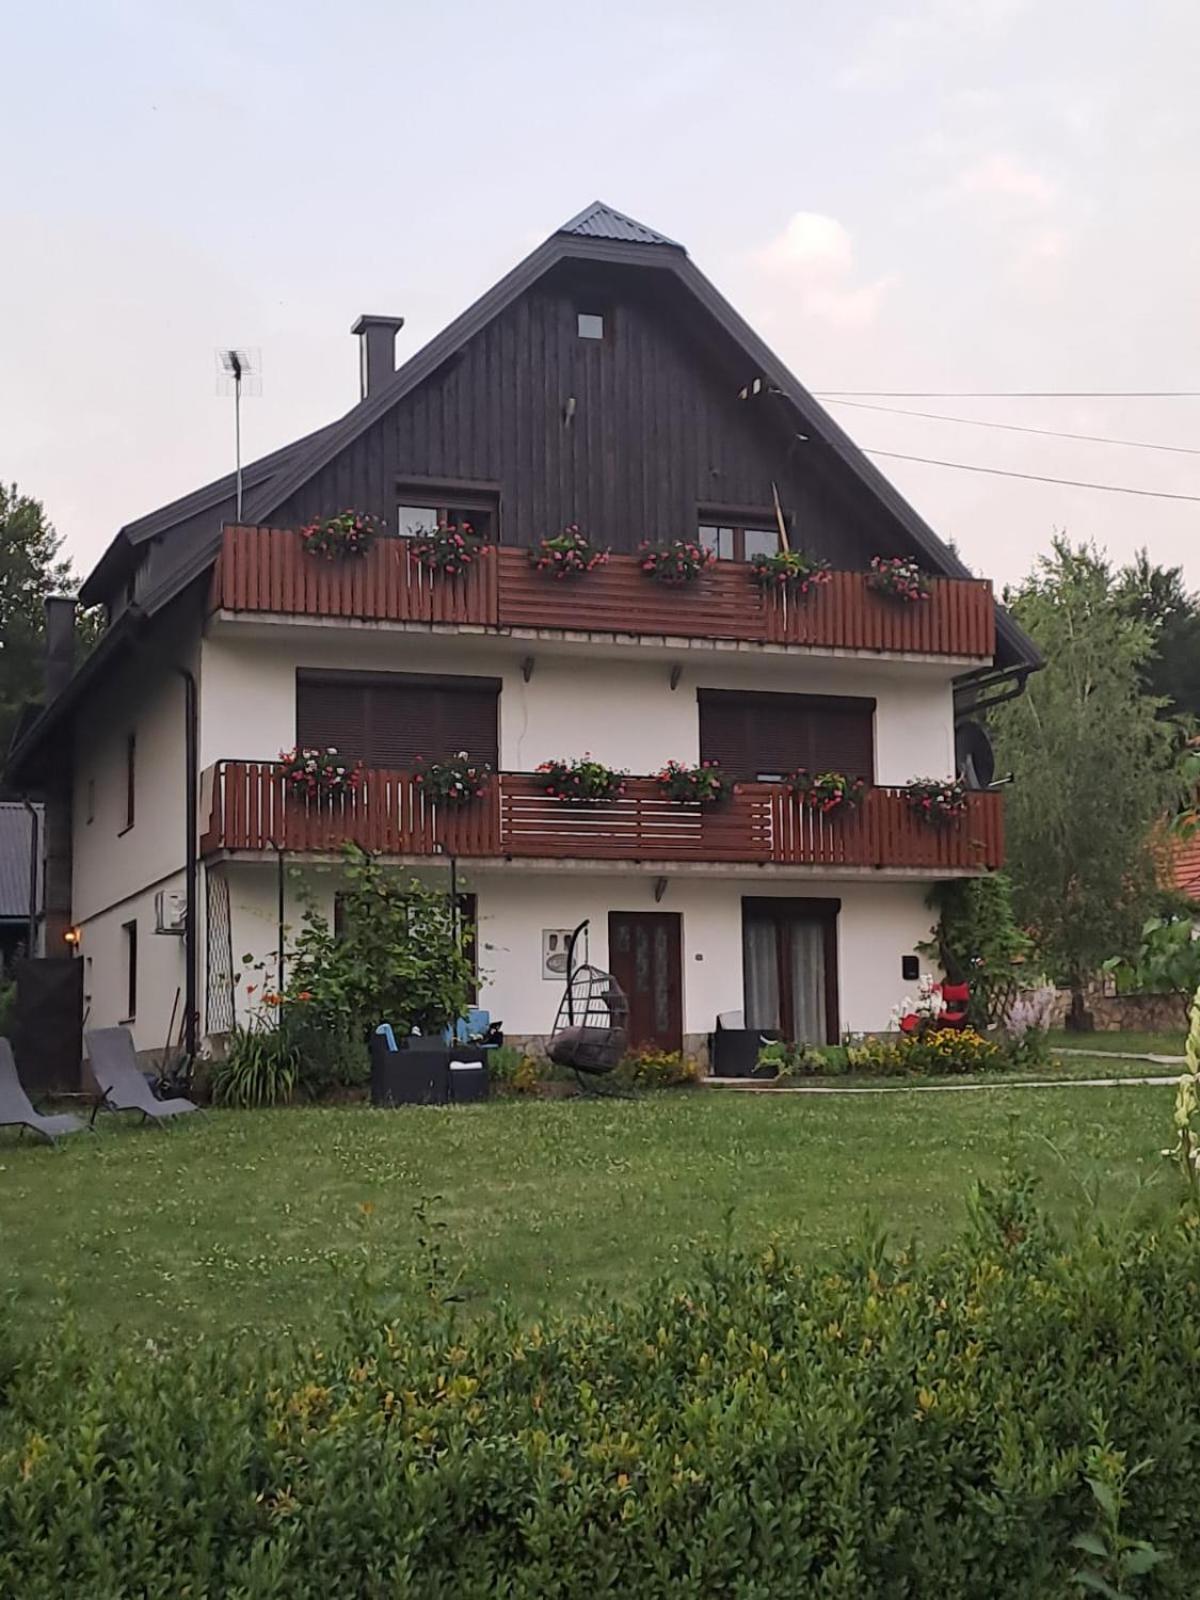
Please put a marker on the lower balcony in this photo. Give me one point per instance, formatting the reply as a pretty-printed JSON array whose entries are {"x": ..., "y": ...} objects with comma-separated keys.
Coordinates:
[{"x": 247, "y": 806}]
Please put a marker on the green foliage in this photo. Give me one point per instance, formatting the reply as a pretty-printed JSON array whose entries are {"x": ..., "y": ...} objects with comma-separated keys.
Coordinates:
[
  {"x": 795, "y": 1061},
  {"x": 1157, "y": 598},
  {"x": 505, "y": 1065},
  {"x": 977, "y": 941},
  {"x": 882, "y": 1425},
  {"x": 1096, "y": 769},
  {"x": 934, "y": 1052},
  {"x": 399, "y": 955},
  {"x": 259, "y": 1068},
  {"x": 31, "y": 567},
  {"x": 1114, "y": 1563},
  {"x": 1184, "y": 1154},
  {"x": 1167, "y": 961},
  {"x": 657, "y": 1069}
]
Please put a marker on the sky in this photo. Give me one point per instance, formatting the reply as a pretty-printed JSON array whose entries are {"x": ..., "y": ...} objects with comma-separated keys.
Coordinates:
[{"x": 931, "y": 195}]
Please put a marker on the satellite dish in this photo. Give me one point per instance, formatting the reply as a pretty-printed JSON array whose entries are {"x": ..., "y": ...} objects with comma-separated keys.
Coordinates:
[{"x": 974, "y": 756}]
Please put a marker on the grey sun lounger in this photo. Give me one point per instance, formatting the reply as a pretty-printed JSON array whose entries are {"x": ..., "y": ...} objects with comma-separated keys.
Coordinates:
[
  {"x": 16, "y": 1108},
  {"x": 121, "y": 1084}
]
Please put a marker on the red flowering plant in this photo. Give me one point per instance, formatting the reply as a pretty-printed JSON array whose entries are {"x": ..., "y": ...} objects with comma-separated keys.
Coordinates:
[
  {"x": 939, "y": 801},
  {"x": 582, "y": 778},
  {"x": 704, "y": 785},
  {"x": 318, "y": 774},
  {"x": 350, "y": 533},
  {"x": 792, "y": 570},
  {"x": 677, "y": 562},
  {"x": 898, "y": 577},
  {"x": 447, "y": 548},
  {"x": 830, "y": 793},
  {"x": 454, "y": 782},
  {"x": 568, "y": 554}
]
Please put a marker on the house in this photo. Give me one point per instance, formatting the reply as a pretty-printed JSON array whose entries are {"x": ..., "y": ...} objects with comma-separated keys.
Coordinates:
[{"x": 603, "y": 382}]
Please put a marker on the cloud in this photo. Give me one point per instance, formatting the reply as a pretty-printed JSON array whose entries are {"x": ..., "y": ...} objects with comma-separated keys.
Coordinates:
[
  {"x": 814, "y": 256},
  {"x": 1000, "y": 177}
]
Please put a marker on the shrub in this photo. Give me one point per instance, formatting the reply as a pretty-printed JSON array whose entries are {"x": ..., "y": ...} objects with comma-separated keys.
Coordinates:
[
  {"x": 793, "y": 1062},
  {"x": 899, "y": 577},
  {"x": 703, "y": 785},
  {"x": 317, "y": 774},
  {"x": 877, "y": 1425},
  {"x": 792, "y": 570},
  {"x": 678, "y": 562},
  {"x": 938, "y": 801},
  {"x": 941, "y": 1052},
  {"x": 568, "y": 554},
  {"x": 658, "y": 1069},
  {"x": 448, "y": 549},
  {"x": 259, "y": 1068},
  {"x": 830, "y": 793},
  {"x": 455, "y": 781},
  {"x": 977, "y": 941},
  {"x": 350, "y": 533},
  {"x": 582, "y": 778}
]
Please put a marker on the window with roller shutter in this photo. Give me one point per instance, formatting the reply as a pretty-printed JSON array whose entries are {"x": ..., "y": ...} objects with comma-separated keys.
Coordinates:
[
  {"x": 388, "y": 719},
  {"x": 765, "y": 735}
]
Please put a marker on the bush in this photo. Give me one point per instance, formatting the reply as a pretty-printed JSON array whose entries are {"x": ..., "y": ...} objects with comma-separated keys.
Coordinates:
[
  {"x": 259, "y": 1068},
  {"x": 657, "y": 1069},
  {"x": 878, "y": 1426},
  {"x": 795, "y": 1061},
  {"x": 935, "y": 1052}
]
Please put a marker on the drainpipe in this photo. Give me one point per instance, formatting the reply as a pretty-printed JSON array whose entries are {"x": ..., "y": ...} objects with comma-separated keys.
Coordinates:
[
  {"x": 31, "y": 936},
  {"x": 191, "y": 859}
]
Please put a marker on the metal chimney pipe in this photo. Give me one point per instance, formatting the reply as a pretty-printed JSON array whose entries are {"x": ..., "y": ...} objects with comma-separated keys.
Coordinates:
[{"x": 376, "y": 351}]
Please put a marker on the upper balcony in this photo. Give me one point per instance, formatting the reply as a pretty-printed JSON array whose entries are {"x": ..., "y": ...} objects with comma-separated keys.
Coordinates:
[
  {"x": 265, "y": 570},
  {"x": 250, "y": 808}
]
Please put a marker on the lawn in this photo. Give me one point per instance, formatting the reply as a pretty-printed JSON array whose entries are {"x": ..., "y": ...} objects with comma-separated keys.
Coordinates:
[
  {"x": 1159, "y": 1044},
  {"x": 251, "y": 1220}
]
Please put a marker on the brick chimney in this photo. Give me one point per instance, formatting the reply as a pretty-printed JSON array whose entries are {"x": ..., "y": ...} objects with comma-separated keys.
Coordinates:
[
  {"x": 60, "y": 644},
  {"x": 376, "y": 351}
]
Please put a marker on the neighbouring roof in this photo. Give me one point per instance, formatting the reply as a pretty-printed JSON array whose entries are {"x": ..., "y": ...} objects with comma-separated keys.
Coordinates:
[
  {"x": 15, "y": 843},
  {"x": 1183, "y": 867},
  {"x": 599, "y": 221}
]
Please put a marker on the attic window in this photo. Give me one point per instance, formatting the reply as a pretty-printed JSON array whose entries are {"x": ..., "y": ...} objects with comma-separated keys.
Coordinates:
[
  {"x": 590, "y": 325},
  {"x": 420, "y": 511},
  {"x": 739, "y": 540}
]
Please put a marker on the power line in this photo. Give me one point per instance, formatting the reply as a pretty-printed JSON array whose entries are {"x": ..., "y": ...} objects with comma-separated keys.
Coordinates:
[
  {"x": 1007, "y": 394},
  {"x": 1015, "y": 427},
  {"x": 1032, "y": 477}
]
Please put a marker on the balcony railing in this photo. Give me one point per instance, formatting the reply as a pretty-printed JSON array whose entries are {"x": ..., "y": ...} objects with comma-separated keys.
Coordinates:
[
  {"x": 267, "y": 570},
  {"x": 252, "y": 809}
]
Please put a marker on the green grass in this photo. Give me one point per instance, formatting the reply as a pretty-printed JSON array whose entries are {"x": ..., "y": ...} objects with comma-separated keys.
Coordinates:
[
  {"x": 240, "y": 1220},
  {"x": 1159, "y": 1044}
]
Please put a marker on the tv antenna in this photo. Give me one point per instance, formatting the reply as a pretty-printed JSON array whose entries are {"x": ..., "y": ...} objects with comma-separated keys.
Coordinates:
[{"x": 239, "y": 372}]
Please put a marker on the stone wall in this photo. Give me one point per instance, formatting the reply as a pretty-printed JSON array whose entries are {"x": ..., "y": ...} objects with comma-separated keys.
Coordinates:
[{"x": 1125, "y": 1013}]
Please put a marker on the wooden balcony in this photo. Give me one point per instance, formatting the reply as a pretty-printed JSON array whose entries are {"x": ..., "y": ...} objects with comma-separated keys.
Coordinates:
[
  {"x": 267, "y": 570},
  {"x": 251, "y": 809}
]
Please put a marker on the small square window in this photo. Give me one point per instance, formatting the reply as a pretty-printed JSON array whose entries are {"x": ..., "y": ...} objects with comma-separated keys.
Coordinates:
[{"x": 590, "y": 325}]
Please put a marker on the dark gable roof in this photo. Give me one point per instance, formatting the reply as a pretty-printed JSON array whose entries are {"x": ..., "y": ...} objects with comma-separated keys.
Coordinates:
[
  {"x": 599, "y": 221},
  {"x": 599, "y": 234}
]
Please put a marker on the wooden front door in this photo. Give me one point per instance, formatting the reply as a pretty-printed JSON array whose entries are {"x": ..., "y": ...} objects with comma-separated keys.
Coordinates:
[{"x": 644, "y": 958}]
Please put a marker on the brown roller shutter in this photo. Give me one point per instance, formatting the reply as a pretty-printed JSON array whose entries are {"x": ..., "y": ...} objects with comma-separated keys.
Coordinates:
[
  {"x": 389, "y": 719},
  {"x": 752, "y": 734}
]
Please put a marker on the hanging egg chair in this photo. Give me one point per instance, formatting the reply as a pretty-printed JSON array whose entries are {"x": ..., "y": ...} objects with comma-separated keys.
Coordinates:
[{"x": 591, "y": 1030}]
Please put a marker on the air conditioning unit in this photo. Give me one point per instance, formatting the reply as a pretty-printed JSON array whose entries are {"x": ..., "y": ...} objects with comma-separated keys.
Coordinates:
[{"x": 170, "y": 911}]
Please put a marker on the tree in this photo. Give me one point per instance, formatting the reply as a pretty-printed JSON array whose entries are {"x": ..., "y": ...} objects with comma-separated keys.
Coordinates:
[
  {"x": 399, "y": 954},
  {"x": 1157, "y": 596},
  {"x": 31, "y": 568},
  {"x": 1096, "y": 768}
]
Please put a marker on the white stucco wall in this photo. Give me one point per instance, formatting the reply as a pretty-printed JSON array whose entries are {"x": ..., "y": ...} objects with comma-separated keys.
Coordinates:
[
  {"x": 117, "y": 871},
  {"x": 622, "y": 710},
  {"x": 879, "y": 922}
]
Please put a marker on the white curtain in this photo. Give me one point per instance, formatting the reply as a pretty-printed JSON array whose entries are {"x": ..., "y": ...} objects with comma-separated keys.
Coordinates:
[
  {"x": 808, "y": 982},
  {"x": 762, "y": 974}
]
